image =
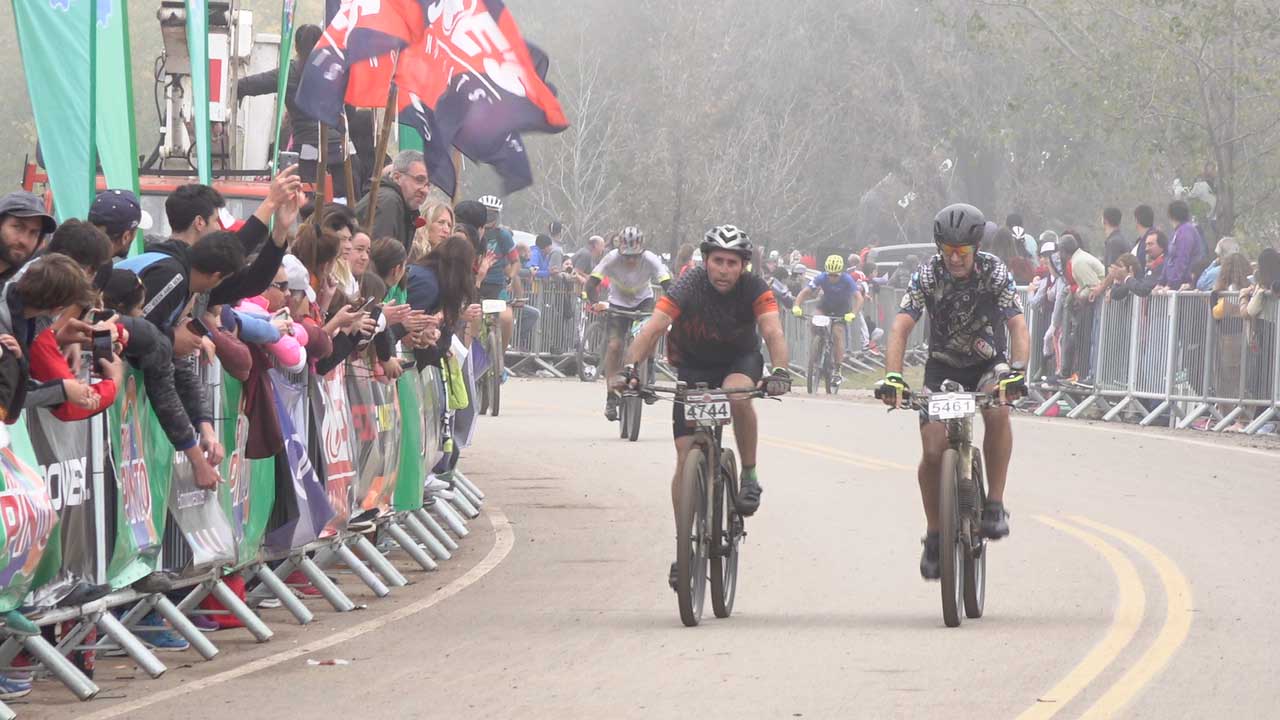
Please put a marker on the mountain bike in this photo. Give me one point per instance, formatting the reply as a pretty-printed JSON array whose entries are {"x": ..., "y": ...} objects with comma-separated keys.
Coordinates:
[
  {"x": 631, "y": 404},
  {"x": 591, "y": 343},
  {"x": 822, "y": 355},
  {"x": 962, "y": 495},
  {"x": 489, "y": 384},
  {"x": 709, "y": 529}
]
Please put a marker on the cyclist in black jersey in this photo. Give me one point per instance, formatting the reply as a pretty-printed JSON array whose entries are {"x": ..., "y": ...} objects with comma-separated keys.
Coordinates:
[
  {"x": 972, "y": 302},
  {"x": 713, "y": 313}
]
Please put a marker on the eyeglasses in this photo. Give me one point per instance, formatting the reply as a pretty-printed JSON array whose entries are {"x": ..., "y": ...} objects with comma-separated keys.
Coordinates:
[
  {"x": 282, "y": 286},
  {"x": 960, "y": 251},
  {"x": 419, "y": 179}
]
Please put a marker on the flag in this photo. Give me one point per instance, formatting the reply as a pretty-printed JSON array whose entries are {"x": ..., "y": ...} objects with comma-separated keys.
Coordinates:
[
  {"x": 56, "y": 39},
  {"x": 473, "y": 83},
  {"x": 198, "y": 48},
  {"x": 117, "y": 141},
  {"x": 353, "y": 61}
]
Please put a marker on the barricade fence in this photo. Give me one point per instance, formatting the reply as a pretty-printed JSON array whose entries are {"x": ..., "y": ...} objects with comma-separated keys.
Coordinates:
[{"x": 103, "y": 524}]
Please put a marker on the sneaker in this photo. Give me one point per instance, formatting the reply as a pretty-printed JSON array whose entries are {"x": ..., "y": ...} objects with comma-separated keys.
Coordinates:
[
  {"x": 153, "y": 631},
  {"x": 748, "y": 500},
  {"x": 930, "y": 557},
  {"x": 611, "y": 407},
  {"x": 836, "y": 379},
  {"x": 995, "y": 521},
  {"x": 13, "y": 687},
  {"x": 204, "y": 623},
  {"x": 270, "y": 603},
  {"x": 301, "y": 585}
]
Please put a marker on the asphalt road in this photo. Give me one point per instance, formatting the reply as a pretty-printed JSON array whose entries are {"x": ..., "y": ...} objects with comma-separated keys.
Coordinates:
[{"x": 1134, "y": 584}]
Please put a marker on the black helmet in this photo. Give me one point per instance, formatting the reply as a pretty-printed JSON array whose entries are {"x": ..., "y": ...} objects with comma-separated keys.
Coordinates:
[{"x": 959, "y": 224}]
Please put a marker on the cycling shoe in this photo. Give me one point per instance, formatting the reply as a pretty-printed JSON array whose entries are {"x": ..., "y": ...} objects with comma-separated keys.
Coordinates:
[
  {"x": 995, "y": 521},
  {"x": 931, "y": 558},
  {"x": 748, "y": 500},
  {"x": 611, "y": 408}
]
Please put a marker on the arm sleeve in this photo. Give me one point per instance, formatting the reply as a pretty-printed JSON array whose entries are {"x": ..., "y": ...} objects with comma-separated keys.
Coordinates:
[
  {"x": 150, "y": 352},
  {"x": 765, "y": 301},
  {"x": 290, "y": 353},
  {"x": 343, "y": 346},
  {"x": 255, "y": 329},
  {"x": 676, "y": 298},
  {"x": 387, "y": 223},
  {"x": 423, "y": 291},
  {"x": 384, "y": 345},
  {"x": 190, "y": 390},
  {"x": 106, "y": 392},
  {"x": 1007, "y": 298},
  {"x": 253, "y": 280},
  {"x": 46, "y": 394},
  {"x": 660, "y": 272},
  {"x": 913, "y": 301},
  {"x": 263, "y": 83},
  {"x": 232, "y": 353},
  {"x": 253, "y": 234},
  {"x": 319, "y": 344},
  {"x": 165, "y": 292}
]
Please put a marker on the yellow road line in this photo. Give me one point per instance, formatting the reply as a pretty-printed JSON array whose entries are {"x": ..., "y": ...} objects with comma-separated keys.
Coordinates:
[
  {"x": 863, "y": 461},
  {"x": 1131, "y": 603},
  {"x": 1177, "y": 624}
]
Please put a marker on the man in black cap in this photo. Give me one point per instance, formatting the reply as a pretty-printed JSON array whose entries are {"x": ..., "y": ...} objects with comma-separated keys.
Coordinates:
[
  {"x": 119, "y": 214},
  {"x": 23, "y": 221}
]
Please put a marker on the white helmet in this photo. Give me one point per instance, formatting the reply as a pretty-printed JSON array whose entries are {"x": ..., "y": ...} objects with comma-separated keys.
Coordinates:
[
  {"x": 492, "y": 202},
  {"x": 631, "y": 241},
  {"x": 727, "y": 237}
]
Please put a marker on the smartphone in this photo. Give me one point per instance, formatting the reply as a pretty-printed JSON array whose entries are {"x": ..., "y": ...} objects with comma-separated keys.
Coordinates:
[
  {"x": 375, "y": 312},
  {"x": 287, "y": 159},
  {"x": 365, "y": 305},
  {"x": 102, "y": 349},
  {"x": 195, "y": 325}
]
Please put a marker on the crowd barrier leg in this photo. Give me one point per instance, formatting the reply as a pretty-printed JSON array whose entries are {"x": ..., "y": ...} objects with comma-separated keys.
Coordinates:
[
  {"x": 241, "y": 611},
  {"x": 467, "y": 494},
  {"x": 379, "y": 563},
  {"x": 451, "y": 518},
  {"x": 425, "y": 537},
  {"x": 137, "y": 651},
  {"x": 1117, "y": 409},
  {"x": 1262, "y": 419},
  {"x": 343, "y": 553},
  {"x": 184, "y": 627},
  {"x": 330, "y": 591},
  {"x": 475, "y": 489},
  {"x": 464, "y": 506},
  {"x": 1193, "y": 415},
  {"x": 410, "y": 546},
  {"x": 1053, "y": 400},
  {"x": 1151, "y": 416},
  {"x": 1089, "y": 402},
  {"x": 430, "y": 523},
  {"x": 287, "y": 599},
  {"x": 62, "y": 668},
  {"x": 1228, "y": 419}
]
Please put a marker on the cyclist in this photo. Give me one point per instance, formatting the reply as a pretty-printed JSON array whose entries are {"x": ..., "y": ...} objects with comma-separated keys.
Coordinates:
[
  {"x": 717, "y": 313},
  {"x": 505, "y": 268},
  {"x": 631, "y": 271},
  {"x": 841, "y": 297},
  {"x": 971, "y": 301}
]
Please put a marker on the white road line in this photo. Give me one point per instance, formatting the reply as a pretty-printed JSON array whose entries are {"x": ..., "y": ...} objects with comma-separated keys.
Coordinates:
[{"x": 504, "y": 540}]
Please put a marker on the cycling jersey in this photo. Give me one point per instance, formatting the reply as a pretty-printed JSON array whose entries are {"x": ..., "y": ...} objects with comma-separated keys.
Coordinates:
[
  {"x": 712, "y": 329},
  {"x": 499, "y": 242},
  {"x": 966, "y": 317},
  {"x": 838, "y": 291},
  {"x": 631, "y": 281}
]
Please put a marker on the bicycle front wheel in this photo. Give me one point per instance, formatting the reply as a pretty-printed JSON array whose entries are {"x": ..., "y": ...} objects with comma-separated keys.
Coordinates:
[
  {"x": 952, "y": 549},
  {"x": 691, "y": 537},
  {"x": 496, "y": 369},
  {"x": 589, "y": 342},
  {"x": 815, "y": 364},
  {"x": 726, "y": 536}
]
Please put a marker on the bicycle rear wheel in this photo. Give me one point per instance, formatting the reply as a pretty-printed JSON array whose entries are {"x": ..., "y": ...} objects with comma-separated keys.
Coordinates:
[
  {"x": 482, "y": 389},
  {"x": 726, "y": 535},
  {"x": 691, "y": 537},
  {"x": 495, "y": 369},
  {"x": 589, "y": 341},
  {"x": 828, "y": 358},
  {"x": 975, "y": 557},
  {"x": 951, "y": 548}
]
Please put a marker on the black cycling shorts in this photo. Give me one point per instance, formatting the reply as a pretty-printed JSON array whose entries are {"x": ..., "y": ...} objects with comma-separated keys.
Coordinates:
[
  {"x": 750, "y": 364},
  {"x": 491, "y": 291},
  {"x": 975, "y": 378},
  {"x": 619, "y": 326}
]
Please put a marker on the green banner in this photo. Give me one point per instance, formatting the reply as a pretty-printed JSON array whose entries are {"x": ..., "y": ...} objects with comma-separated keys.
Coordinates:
[
  {"x": 248, "y": 491},
  {"x": 144, "y": 464},
  {"x": 117, "y": 137},
  {"x": 411, "y": 475},
  {"x": 30, "y": 546},
  {"x": 198, "y": 48},
  {"x": 56, "y": 39},
  {"x": 282, "y": 76}
]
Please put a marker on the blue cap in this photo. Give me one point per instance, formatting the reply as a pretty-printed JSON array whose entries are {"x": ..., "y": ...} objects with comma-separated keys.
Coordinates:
[{"x": 118, "y": 211}]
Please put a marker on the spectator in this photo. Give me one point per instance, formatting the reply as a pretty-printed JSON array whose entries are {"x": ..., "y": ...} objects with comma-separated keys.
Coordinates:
[
  {"x": 317, "y": 251},
  {"x": 901, "y": 276},
  {"x": 438, "y": 222},
  {"x": 119, "y": 214},
  {"x": 1115, "y": 244},
  {"x": 400, "y": 194},
  {"x": 442, "y": 283},
  {"x": 543, "y": 260},
  {"x": 555, "y": 229},
  {"x": 1005, "y": 247},
  {"x": 684, "y": 259},
  {"x": 1226, "y": 246},
  {"x": 1145, "y": 218},
  {"x": 304, "y": 130},
  {"x": 358, "y": 261},
  {"x": 23, "y": 222},
  {"x": 778, "y": 284},
  {"x": 1186, "y": 248},
  {"x": 1228, "y": 316},
  {"x": 1085, "y": 274},
  {"x": 1143, "y": 280}
]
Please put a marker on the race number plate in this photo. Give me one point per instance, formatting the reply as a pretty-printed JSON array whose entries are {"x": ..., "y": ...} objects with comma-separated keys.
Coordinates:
[
  {"x": 712, "y": 412},
  {"x": 821, "y": 321},
  {"x": 951, "y": 406}
]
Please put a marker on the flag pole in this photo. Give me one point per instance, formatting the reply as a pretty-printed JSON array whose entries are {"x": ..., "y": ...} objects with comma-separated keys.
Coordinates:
[
  {"x": 457, "y": 175},
  {"x": 383, "y": 136},
  {"x": 322, "y": 173},
  {"x": 346, "y": 166}
]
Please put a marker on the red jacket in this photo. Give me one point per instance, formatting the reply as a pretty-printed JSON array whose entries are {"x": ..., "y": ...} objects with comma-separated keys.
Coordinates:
[{"x": 48, "y": 365}]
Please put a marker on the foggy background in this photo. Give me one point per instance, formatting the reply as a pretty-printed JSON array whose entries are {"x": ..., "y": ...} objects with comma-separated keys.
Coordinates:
[{"x": 813, "y": 122}]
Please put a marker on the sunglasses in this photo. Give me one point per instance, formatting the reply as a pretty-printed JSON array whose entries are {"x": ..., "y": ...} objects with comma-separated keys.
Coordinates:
[
  {"x": 962, "y": 251},
  {"x": 282, "y": 286}
]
